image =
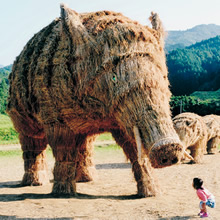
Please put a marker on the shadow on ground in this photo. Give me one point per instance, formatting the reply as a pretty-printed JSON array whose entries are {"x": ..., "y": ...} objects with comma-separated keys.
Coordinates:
[
  {"x": 4, "y": 217},
  {"x": 10, "y": 184},
  {"x": 179, "y": 218},
  {"x": 108, "y": 166},
  {"x": 23, "y": 196}
]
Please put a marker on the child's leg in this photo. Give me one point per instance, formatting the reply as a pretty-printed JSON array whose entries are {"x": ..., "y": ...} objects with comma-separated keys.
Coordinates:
[
  {"x": 203, "y": 207},
  {"x": 211, "y": 203}
]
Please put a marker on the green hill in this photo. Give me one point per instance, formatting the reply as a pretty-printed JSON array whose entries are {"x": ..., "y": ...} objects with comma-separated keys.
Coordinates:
[{"x": 181, "y": 39}]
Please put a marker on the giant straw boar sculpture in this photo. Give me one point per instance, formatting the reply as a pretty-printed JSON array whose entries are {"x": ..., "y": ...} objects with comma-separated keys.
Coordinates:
[
  {"x": 213, "y": 129},
  {"x": 192, "y": 133},
  {"x": 85, "y": 74}
]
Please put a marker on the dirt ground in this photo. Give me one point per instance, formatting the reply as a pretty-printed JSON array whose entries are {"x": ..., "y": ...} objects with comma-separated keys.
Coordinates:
[{"x": 112, "y": 195}]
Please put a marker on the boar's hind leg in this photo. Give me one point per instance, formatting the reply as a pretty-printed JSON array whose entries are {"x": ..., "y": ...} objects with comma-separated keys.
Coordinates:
[
  {"x": 143, "y": 171},
  {"x": 85, "y": 170},
  {"x": 35, "y": 165},
  {"x": 64, "y": 144}
]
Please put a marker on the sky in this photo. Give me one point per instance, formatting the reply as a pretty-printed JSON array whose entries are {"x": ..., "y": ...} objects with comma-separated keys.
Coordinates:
[{"x": 21, "y": 19}]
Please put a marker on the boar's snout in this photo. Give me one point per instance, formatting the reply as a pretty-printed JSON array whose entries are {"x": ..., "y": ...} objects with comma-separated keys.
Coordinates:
[{"x": 166, "y": 152}]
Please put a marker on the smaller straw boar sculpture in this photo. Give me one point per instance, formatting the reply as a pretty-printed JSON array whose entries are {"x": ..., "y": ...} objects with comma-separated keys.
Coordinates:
[
  {"x": 85, "y": 74},
  {"x": 213, "y": 129},
  {"x": 192, "y": 133}
]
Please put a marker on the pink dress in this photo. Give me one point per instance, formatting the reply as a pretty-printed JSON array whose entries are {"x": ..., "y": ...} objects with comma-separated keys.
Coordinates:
[
  {"x": 204, "y": 194},
  {"x": 206, "y": 197}
]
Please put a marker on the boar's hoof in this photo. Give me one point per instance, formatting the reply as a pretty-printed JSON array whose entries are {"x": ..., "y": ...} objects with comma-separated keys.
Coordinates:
[
  {"x": 37, "y": 178},
  {"x": 86, "y": 174}
]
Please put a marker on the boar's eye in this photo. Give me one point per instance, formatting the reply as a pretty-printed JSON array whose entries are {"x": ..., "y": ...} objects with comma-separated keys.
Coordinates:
[{"x": 114, "y": 78}]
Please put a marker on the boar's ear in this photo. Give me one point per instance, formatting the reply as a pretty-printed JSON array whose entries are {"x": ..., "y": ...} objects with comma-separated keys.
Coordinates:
[
  {"x": 69, "y": 16},
  {"x": 191, "y": 124},
  {"x": 158, "y": 26}
]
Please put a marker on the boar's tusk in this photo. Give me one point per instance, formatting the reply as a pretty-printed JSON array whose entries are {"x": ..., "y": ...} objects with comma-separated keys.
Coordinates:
[
  {"x": 186, "y": 154},
  {"x": 138, "y": 141}
]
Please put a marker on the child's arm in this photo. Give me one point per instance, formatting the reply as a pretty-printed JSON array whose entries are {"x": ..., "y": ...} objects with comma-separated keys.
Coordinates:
[{"x": 201, "y": 195}]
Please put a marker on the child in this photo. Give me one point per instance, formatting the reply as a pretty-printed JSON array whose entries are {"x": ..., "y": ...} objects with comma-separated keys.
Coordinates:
[{"x": 207, "y": 198}]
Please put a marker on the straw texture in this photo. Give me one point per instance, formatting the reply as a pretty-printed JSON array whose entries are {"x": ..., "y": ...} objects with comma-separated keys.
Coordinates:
[
  {"x": 213, "y": 129},
  {"x": 193, "y": 134},
  {"x": 35, "y": 164},
  {"x": 85, "y": 166},
  {"x": 89, "y": 73}
]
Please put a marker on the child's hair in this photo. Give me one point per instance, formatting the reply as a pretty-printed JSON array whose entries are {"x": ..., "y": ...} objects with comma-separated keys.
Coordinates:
[{"x": 197, "y": 183}]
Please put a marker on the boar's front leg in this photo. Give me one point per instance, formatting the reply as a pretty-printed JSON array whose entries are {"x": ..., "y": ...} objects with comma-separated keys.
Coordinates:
[
  {"x": 212, "y": 145},
  {"x": 144, "y": 175},
  {"x": 143, "y": 171},
  {"x": 64, "y": 144},
  {"x": 35, "y": 165},
  {"x": 198, "y": 150}
]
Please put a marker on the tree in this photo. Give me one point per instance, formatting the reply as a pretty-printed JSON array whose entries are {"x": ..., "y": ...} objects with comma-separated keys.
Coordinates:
[
  {"x": 195, "y": 68},
  {"x": 3, "y": 95},
  {"x": 206, "y": 106}
]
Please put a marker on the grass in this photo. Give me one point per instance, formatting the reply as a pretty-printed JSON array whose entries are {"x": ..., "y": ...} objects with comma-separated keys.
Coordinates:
[
  {"x": 105, "y": 137},
  {"x": 8, "y": 135},
  {"x": 111, "y": 147},
  {"x": 98, "y": 151},
  {"x": 207, "y": 95},
  {"x": 10, "y": 153}
]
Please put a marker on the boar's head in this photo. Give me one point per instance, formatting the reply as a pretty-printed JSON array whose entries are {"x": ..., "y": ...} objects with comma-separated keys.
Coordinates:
[{"x": 123, "y": 69}]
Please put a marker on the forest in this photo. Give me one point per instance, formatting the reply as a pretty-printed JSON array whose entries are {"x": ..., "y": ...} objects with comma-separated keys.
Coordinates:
[
  {"x": 195, "y": 68},
  {"x": 194, "y": 75},
  {"x": 4, "y": 85}
]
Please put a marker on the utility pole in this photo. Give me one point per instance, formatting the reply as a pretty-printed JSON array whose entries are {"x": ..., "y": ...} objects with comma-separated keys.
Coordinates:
[{"x": 181, "y": 106}]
